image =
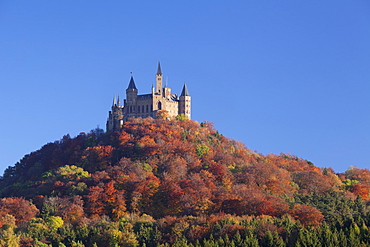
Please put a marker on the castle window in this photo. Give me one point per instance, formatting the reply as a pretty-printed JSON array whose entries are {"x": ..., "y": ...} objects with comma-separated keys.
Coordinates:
[
  {"x": 151, "y": 107},
  {"x": 138, "y": 109},
  {"x": 147, "y": 108},
  {"x": 159, "y": 105},
  {"x": 142, "y": 108}
]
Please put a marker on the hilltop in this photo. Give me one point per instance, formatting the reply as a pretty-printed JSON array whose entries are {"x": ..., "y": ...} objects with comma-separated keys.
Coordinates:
[{"x": 159, "y": 181}]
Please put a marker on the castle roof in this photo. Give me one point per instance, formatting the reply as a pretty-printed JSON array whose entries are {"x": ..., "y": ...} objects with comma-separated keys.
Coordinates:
[
  {"x": 185, "y": 91},
  {"x": 159, "y": 70},
  {"x": 132, "y": 85},
  {"x": 144, "y": 96}
]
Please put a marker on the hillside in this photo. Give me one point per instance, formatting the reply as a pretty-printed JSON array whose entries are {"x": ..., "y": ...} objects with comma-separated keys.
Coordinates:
[{"x": 181, "y": 183}]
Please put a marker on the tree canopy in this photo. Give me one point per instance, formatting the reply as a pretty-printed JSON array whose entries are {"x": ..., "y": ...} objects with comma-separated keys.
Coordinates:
[{"x": 160, "y": 182}]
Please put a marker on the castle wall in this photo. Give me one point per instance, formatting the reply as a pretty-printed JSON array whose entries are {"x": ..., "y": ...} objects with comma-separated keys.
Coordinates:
[
  {"x": 172, "y": 107},
  {"x": 144, "y": 106}
]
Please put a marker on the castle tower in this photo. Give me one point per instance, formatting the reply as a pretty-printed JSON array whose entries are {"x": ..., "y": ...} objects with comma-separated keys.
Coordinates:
[
  {"x": 166, "y": 91},
  {"x": 115, "y": 118},
  {"x": 185, "y": 102},
  {"x": 131, "y": 98},
  {"x": 158, "y": 80}
]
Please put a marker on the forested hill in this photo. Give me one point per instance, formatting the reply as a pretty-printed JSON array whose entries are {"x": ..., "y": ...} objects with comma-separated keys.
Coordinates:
[{"x": 177, "y": 182}]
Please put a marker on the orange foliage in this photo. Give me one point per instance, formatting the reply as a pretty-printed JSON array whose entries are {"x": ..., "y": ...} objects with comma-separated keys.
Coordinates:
[
  {"x": 95, "y": 204},
  {"x": 308, "y": 215},
  {"x": 231, "y": 229},
  {"x": 199, "y": 232},
  {"x": 217, "y": 170},
  {"x": 360, "y": 190},
  {"x": 20, "y": 208},
  {"x": 98, "y": 157},
  {"x": 270, "y": 178},
  {"x": 106, "y": 201},
  {"x": 162, "y": 114},
  {"x": 124, "y": 138},
  {"x": 154, "y": 166},
  {"x": 312, "y": 181}
]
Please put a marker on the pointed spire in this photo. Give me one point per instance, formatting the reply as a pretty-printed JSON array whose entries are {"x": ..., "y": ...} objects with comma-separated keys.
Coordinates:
[
  {"x": 131, "y": 85},
  {"x": 159, "y": 70},
  {"x": 114, "y": 100},
  {"x": 118, "y": 101},
  {"x": 185, "y": 91}
]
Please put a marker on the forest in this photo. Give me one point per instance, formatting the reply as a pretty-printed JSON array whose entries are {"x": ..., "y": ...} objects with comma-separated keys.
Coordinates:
[{"x": 160, "y": 182}]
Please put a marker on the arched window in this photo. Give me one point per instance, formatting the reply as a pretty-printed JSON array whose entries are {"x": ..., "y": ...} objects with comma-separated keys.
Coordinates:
[{"x": 159, "y": 105}]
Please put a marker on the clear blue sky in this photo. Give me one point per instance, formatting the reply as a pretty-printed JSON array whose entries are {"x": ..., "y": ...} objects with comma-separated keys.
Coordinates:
[{"x": 280, "y": 76}]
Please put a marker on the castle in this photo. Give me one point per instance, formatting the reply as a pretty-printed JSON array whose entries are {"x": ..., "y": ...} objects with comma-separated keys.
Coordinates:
[{"x": 147, "y": 105}]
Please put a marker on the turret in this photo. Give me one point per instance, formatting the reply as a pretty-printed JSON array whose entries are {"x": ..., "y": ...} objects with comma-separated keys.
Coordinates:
[
  {"x": 115, "y": 116},
  {"x": 131, "y": 97},
  {"x": 114, "y": 101},
  {"x": 166, "y": 91},
  {"x": 131, "y": 91},
  {"x": 158, "y": 79},
  {"x": 185, "y": 102}
]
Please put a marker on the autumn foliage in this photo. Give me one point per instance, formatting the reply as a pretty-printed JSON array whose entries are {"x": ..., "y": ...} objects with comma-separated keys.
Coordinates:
[{"x": 168, "y": 174}]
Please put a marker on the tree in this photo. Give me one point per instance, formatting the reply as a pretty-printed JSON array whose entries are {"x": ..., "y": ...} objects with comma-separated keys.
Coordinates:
[
  {"x": 71, "y": 173},
  {"x": 182, "y": 117},
  {"x": 54, "y": 222},
  {"x": 20, "y": 208},
  {"x": 97, "y": 157},
  {"x": 106, "y": 201},
  {"x": 360, "y": 190},
  {"x": 8, "y": 237},
  {"x": 308, "y": 215},
  {"x": 95, "y": 202},
  {"x": 202, "y": 149},
  {"x": 162, "y": 114}
]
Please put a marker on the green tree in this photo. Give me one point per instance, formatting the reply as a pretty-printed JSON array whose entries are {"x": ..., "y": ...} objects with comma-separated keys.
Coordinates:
[
  {"x": 54, "y": 222},
  {"x": 202, "y": 149},
  {"x": 8, "y": 237},
  {"x": 181, "y": 117}
]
